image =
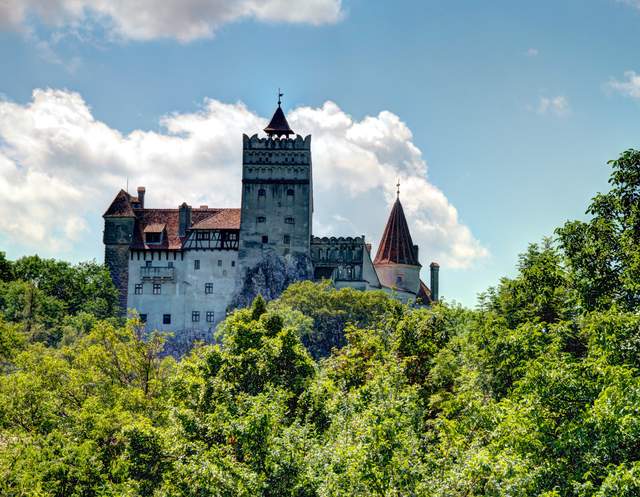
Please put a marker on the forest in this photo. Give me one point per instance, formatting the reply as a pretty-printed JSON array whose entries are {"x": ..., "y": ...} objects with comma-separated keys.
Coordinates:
[{"x": 325, "y": 392}]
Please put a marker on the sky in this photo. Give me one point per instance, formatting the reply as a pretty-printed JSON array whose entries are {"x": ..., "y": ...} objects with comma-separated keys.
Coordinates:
[{"x": 497, "y": 117}]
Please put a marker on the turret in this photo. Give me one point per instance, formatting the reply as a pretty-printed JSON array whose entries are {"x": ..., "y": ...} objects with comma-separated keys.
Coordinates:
[{"x": 119, "y": 221}]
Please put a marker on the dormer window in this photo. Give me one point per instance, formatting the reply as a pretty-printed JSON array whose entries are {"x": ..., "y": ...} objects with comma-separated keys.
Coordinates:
[
  {"x": 153, "y": 237},
  {"x": 153, "y": 233},
  {"x": 203, "y": 235}
]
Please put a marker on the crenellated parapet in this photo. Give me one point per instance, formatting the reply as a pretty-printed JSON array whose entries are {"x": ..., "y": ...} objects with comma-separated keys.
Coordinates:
[{"x": 280, "y": 151}]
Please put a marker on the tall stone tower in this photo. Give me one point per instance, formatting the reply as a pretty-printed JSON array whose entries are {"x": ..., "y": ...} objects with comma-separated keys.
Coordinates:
[
  {"x": 119, "y": 221},
  {"x": 277, "y": 199}
]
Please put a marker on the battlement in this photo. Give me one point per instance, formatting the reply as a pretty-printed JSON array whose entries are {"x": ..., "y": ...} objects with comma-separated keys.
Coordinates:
[
  {"x": 255, "y": 143},
  {"x": 337, "y": 240}
]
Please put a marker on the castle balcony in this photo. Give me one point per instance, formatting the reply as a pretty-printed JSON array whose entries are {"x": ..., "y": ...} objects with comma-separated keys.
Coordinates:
[{"x": 149, "y": 273}]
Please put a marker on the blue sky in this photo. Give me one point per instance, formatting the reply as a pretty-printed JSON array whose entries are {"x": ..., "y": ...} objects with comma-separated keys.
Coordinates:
[{"x": 514, "y": 106}]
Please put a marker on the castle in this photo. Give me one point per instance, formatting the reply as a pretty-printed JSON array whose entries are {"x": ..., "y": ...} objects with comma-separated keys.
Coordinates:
[{"x": 183, "y": 269}]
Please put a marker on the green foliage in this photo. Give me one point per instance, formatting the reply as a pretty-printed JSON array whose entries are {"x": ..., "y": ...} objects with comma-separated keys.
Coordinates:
[{"x": 535, "y": 393}]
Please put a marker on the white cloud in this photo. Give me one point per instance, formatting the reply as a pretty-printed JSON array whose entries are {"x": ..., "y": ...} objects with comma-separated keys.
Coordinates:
[
  {"x": 184, "y": 20},
  {"x": 60, "y": 168},
  {"x": 533, "y": 52},
  {"x": 557, "y": 106},
  {"x": 629, "y": 87}
]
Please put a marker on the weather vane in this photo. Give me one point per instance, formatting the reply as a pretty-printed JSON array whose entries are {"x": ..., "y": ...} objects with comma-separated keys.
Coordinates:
[
  {"x": 280, "y": 95},
  {"x": 398, "y": 188}
]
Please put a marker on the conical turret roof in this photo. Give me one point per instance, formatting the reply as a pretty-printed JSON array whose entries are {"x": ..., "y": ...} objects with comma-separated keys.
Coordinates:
[
  {"x": 396, "y": 245},
  {"x": 278, "y": 125}
]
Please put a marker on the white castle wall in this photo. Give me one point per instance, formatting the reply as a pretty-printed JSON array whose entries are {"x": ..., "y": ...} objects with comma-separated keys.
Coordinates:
[{"x": 185, "y": 292}]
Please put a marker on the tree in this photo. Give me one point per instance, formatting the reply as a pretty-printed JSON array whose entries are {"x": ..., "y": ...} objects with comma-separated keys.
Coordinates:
[{"x": 604, "y": 252}]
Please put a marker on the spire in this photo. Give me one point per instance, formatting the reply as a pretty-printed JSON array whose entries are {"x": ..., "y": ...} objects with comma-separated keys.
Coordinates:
[
  {"x": 396, "y": 245},
  {"x": 278, "y": 125}
]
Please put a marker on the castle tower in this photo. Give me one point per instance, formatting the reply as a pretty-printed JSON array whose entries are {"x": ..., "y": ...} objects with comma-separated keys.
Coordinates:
[
  {"x": 119, "y": 221},
  {"x": 277, "y": 195},
  {"x": 397, "y": 262}
]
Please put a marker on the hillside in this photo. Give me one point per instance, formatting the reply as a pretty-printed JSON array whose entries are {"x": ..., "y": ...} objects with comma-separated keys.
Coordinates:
[{"x": 327, "y": 392}]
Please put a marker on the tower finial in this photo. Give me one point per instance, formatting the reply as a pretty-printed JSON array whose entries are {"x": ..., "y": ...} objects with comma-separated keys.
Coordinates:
[
  {"x": 280, "y": 95},
  {"x": 398, "y": 189}
]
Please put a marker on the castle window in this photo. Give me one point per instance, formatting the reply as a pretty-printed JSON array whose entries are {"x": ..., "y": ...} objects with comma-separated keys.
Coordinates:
[
  {"x": 232, "y": 236},
  {"x": 289, "y": 220},
  {"x": 262, "y": 192},
  {"x": 210, "y": 316},
  {"x": 265, "y": 239},
  {"x": 138, "y": 289},
  {"x": 196, "y": 264},
  {"x": 143, "y": 318},
  {"x": 202, "y": 235},
  {"x": 153, "y": 237},
  {"x": 261, "y": 219},
  {"x": 147, "y": 263},
  {"x": 208, "y": 288},
  {"x": 166, "y": 319},
  {"x": 290, "y": 192},
  {"x": 195, "y": 316},
  {"x": 399, "y": 280},
  {"x": 286, "y": 239},
  {"x": 233, "y": 263},
  {"x": 170, "y": 264},
  {"x": 219, "y": 262},
  {"x": 157, "y": 288}
]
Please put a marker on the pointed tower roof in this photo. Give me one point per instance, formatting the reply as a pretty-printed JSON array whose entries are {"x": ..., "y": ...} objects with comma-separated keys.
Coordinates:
[
  {"x": 121, "y": 206},
  {"x": 278, "y": 125},
  {"x": 396, "y": 245}
]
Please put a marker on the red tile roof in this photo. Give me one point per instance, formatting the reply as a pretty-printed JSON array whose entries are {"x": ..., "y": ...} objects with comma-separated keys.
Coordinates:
[
  {"x": 209, "y": 218},
  {"x": 424, "y": 294},
  {"x": 121, "y": 206},
  {"x": 396, "y": 245},
  {"x": 154, "y": 228},
  {"x": 222, "y": 219}
]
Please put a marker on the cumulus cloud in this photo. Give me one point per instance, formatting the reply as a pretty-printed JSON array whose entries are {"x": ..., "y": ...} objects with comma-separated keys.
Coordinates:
[
  {"x": 184, "y": 20},
  {"x": 629, "y": 87},
  {"x": 60, "y": 168},
  {"x": 557, "y": 106}
]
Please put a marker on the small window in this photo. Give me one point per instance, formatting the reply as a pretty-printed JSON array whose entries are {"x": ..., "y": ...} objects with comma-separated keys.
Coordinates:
[
  {"x": 261, "y": 219},
  {"x": 143, "y": 318},
  {"x": 170, "y": 264},
  {"x": 147, "y": 263},
  {"x": 262, "y": 192},
  {"x": 219, "y": 262},
  {"x": 233, "y": 263},
  {"x": 138, "y": 289},
  {"x": 195, "y": 316},
  {"x": 265, "y": 239},
  {"x": 290, "y": 193},
  {"x": 196, "y": 264},
  {"x": 208, "y": 288},
  {"x": 232, "y": 236},
  {"x": 289, "y": 220},
  {"x": 210, "y": 317},
  {"x": 157, "y": 288},
  {"x": 153, "y": 237},
  {"x": 202, "y": 235},
  {"x": 166, "y": 319},
  {"x": 286, "y": 239}
]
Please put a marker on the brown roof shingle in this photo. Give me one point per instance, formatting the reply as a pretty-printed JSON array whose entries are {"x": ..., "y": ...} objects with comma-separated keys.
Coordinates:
[{"x": 396, "y": 245}]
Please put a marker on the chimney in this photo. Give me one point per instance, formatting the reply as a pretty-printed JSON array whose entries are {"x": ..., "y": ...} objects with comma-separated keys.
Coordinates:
[
  {"x": 435, "y": 268},
  {"x": 184, "y": 219},
  {"x": 141, "y": 190}
]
